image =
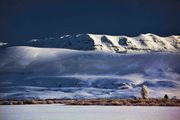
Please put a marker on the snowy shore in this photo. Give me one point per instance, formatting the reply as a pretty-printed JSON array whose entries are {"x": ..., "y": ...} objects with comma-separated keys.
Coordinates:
[{"x": 68, "y": 112}]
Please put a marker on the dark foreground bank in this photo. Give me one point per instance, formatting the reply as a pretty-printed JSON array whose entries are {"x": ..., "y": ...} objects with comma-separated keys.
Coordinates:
[{"x": 114, "y": 102}]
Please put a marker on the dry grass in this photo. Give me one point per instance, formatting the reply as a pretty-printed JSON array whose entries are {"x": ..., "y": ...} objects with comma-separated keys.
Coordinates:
[{"x": 114, "y": 102}]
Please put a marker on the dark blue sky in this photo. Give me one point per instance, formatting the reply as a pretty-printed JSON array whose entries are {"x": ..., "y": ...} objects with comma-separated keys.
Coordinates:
[{"x": 26, "y": 19}]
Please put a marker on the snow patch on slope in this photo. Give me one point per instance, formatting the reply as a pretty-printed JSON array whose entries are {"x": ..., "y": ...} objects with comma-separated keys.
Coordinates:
[{"x": 3, "y": 44}]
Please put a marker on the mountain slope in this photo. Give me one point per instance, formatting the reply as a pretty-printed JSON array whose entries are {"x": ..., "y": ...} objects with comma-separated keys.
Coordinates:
[
  {"x": 119, "y": 44},
  {"x": 29, "y": 72}
]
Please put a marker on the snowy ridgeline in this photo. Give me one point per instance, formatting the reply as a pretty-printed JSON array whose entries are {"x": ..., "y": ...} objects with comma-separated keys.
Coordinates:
[
  {"x": 29, "y": 72},
  {"x": 119, "y": 44}
]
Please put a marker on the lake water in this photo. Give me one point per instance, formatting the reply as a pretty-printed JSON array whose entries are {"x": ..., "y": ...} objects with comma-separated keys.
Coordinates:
[{"x": 63, "y": 112}]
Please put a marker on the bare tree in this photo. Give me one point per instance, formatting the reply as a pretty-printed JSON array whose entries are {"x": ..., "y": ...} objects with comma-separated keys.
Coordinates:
[{"x": 144, "y": 92}]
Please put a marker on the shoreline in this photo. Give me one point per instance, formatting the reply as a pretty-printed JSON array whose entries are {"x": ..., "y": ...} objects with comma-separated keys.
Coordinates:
[{"x": 103, "y": 102}]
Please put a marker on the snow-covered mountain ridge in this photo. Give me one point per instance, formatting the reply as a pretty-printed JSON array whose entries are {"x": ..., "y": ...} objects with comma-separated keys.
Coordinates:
[
  {"x": 88, "y": 66},
  {"x": 107, "y": 43}
]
